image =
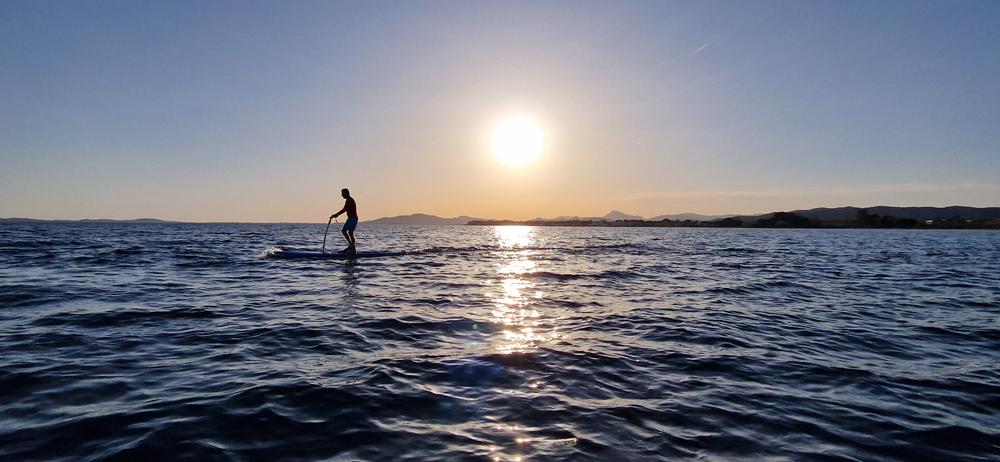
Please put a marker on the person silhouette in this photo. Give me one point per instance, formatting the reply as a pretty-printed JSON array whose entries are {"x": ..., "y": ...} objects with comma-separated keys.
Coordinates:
[{"x": 351, "y": 208}]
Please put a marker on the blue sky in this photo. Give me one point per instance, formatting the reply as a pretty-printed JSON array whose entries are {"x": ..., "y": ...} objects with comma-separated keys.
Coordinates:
[{"x": 262, "y": 111}]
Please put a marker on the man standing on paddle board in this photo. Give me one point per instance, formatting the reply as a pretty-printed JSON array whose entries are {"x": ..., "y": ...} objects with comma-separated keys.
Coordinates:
[{"x": 352, "y": 219}]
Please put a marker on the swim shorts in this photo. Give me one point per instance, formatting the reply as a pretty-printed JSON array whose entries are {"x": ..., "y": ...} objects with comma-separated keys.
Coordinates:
[{"x": 350, "y": 224}]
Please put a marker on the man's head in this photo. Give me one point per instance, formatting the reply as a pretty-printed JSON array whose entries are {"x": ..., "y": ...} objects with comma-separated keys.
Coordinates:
[{"x": 345, "y": 193}]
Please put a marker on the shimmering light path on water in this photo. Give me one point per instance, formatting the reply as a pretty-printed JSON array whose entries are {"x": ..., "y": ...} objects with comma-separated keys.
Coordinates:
[{"x": 146, "y": 342}]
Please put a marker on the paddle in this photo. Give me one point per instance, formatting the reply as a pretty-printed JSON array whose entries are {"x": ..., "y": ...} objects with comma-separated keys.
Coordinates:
[{"x": 326, "y": 232}]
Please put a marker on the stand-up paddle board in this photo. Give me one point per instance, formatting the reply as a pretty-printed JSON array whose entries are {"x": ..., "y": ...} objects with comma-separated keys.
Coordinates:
[{"x": 305, "y": 254}]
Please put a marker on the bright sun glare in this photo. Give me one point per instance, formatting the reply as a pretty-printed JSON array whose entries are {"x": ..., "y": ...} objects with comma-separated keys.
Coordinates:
[{"x": 518, "y": 142}]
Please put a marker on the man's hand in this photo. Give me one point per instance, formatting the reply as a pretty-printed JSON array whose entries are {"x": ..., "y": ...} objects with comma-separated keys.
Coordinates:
[{"x": 333, "y": 216}]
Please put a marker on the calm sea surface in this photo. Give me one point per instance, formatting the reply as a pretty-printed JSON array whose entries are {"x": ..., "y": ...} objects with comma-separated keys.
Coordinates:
[{"x": 183, "y": 341}]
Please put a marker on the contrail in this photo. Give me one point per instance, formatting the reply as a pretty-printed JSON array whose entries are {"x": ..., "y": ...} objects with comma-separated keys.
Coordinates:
[{"x": 700, "y": 48}]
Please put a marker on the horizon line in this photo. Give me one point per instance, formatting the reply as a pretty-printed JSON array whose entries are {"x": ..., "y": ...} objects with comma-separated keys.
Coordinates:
[{"x": 723, "y": 215}]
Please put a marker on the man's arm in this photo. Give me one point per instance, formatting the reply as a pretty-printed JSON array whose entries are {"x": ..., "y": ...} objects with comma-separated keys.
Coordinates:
[{"x": 341, "y": 211}]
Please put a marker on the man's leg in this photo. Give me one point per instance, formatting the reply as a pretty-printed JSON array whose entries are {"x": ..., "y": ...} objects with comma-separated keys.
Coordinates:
[
  {"x": 347, "y": 236},
  {"x": 351, "y": 238}
]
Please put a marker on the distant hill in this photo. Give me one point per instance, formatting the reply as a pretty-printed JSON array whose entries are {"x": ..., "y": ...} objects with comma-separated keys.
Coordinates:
[
  {"x": 569, "y": 218},
  {"x": 19, "y": 220},
  {"x": 915, "y": 213},
  {"x": 823, "y": 214},
  {"x": 615, "y": 215},
  {"x": 426, "y": 219},
  {"x": 85, "y": 220},
  {"x": 841, "y": 217},
  {"x": 422, "y": 219},
  {"x": 833, "y": 217},
  {"x": 689, "y": 216},
  {"x": 137, "y": 220}
]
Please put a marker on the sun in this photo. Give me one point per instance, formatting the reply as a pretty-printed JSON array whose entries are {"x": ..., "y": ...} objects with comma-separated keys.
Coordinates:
[{"x": 518, "y": 142}]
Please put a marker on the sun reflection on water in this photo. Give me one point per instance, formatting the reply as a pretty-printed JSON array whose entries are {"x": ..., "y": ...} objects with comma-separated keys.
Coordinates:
[
  {"x": 514, "y": 236},
  {"x": 519, "y": 310},
  {"x": 517, "y": 296}
]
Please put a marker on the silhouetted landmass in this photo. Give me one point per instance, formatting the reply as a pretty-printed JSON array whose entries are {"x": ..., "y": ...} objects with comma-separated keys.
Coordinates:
[
  {"x": 85, "y": 220},
  {"x": 666, "y": 223},
  {"x": 422, "y": 219},
  {"x": 787, "y": 220},
  {"x": 613, "y": 215},
  {"x": 619, "y": 223},
  {"x": 849, "y": 214},
  {"x": 842, "y": 217},
  {"x": 616, "y": 215},
  {"x": 690, "y": 216},
  {"x": 18, "y": 220},
  {"x": 137, "y": 220},
  {"x": 955, "y": 217}
]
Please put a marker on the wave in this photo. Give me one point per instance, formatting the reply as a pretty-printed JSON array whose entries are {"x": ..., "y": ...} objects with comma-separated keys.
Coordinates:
[
  {"x": 125, "y": 317},
  {"x": 609, "y": 275},
  {"x": 787, "y": 287},
  {"x": 24, "y": 295}
]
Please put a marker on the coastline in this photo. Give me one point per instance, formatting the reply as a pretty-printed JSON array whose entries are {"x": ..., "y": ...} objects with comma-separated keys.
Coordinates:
[{"x": 993, "y": 224}]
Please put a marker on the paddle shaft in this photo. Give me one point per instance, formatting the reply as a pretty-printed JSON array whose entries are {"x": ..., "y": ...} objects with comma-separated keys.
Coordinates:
[{"x": 326, "y": 232}]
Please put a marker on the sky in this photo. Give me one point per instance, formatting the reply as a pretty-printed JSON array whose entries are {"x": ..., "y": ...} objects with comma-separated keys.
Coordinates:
[{"x": 263, "y": 111}]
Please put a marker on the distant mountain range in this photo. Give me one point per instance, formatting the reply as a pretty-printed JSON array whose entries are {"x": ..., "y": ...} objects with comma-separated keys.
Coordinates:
[
  {"x": 85, "y": 220},
  {"x": 689, "y": 216},
  {"x": 823, "y": 214},
  {"x": 914, "y": 213},
  {"x": 614, "y": 215},
  {"x": 422, "y": 219}
]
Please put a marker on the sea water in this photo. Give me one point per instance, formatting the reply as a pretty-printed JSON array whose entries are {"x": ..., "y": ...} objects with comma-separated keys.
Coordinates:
[{"x": 185, "y": 341}]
